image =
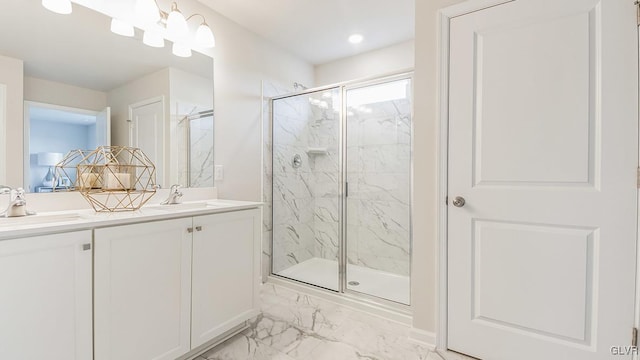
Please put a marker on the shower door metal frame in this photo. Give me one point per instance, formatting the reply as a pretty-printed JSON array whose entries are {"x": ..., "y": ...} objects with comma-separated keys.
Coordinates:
[{"x": 342, "y": 191}]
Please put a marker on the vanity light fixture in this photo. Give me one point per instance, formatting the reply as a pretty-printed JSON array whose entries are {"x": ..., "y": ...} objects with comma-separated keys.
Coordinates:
[
  {"x": 204, "y": 35},
  {"x": 181, "y": 49},
  {"x": 148, "y": 11},
  {"x": 58, "y": 6},
  {"x": 175, "y": 24},
  {"x": 153, "y": 38},
  {"x": 121, "y": 28}
]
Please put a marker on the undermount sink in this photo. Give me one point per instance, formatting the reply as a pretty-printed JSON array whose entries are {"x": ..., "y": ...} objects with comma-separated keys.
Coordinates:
[
  {"x": 186, "y": 206},
  {"x": 38, "y": 219}
]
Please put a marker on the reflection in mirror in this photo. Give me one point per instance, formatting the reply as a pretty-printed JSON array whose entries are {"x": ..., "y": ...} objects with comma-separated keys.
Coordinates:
[
  {"x": 75, "y": 66},
  {"x": 55, "y": 129},
  {"x": 196, "y": 129}
]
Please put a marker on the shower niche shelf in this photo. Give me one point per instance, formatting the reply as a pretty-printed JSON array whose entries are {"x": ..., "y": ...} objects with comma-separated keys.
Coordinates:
[{"x": 317, "y": 151}]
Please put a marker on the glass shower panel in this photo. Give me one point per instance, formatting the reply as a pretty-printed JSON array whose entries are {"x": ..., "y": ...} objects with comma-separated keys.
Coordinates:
[
  {"x": 378, "y": 169},
  {"x": 306, "y": 182}
]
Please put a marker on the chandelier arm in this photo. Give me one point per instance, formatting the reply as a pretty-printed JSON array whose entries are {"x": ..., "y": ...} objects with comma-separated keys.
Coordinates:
[{"x": 204, "y": 20}]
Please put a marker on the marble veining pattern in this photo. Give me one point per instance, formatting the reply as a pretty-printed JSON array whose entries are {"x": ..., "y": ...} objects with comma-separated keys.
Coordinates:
[
  {"x": 294, "y": 326},
  {"x": 378, "y": 172}
]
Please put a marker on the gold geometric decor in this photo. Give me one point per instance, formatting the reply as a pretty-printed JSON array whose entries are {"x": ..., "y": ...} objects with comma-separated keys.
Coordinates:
[
  {"x": 67, "y": 169},
  {"x": 116, "y": 178}
]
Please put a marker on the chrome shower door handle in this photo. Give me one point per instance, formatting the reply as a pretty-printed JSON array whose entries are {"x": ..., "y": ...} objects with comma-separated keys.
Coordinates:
[{"x": 458, "y": 201}]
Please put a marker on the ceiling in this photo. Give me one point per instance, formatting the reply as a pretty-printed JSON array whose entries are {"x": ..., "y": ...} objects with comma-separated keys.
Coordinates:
[{"x": 317, "y": 30}]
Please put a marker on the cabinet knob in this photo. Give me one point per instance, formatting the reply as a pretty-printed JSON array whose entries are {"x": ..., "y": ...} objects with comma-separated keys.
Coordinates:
[
  {"x": 86, "y": 247},
  {"x": 189, "y": 230},
  {"x": 198, "y": 228}
]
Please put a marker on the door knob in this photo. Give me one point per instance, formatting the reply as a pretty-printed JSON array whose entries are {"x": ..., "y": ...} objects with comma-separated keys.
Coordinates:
[{"x": 458, "y": 201}]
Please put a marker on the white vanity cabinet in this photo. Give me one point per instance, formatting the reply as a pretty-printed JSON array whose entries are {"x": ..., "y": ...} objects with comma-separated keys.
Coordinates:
[
  {"x": 226, "y": 263},
  {"x": 45, "y": 297},
  {"x": 164, "y": 288},
  {"x": 142, "y": 290}
]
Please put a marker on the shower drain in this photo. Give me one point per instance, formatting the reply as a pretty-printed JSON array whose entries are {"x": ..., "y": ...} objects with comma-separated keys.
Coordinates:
[{"x": 354, "y": 283}]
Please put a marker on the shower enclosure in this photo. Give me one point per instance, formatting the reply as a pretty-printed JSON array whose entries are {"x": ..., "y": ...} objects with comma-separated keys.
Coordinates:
[{"x": 341, "y": 187}]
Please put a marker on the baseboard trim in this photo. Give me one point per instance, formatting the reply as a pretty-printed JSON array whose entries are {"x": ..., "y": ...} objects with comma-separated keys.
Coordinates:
[{"x": 423, "y": 337}]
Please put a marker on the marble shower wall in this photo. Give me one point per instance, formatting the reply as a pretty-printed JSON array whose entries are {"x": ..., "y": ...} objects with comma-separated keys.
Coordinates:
[
  {"x": 305, "y": 201},
  {"x": 378, "y": 173},
  {"x": 201, "y": 166},
  {"x": 194, "y": 145}
]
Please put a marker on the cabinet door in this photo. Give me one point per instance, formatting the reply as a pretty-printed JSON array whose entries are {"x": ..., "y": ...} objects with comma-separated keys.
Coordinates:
[
  {"x": 225, "y": 272},
  {"x": 45, "y": 297},
  {"x": 142, "y": 291}
]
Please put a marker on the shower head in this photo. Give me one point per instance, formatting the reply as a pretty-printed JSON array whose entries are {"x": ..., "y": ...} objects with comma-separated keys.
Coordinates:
[{"x": 297, "y": 86}]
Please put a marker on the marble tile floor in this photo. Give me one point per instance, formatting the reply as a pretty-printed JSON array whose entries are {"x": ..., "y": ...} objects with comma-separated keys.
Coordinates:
[
  {"x": 324, "y": 273},
  {"x": 295, "y": 326}
]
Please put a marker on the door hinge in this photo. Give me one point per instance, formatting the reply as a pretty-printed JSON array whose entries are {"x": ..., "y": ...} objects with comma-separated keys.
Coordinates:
[
  {"x": 346, "y": 189},
  {"x": 446, "y": 200},
  {"x": 637, "y": 4},
  {"x": 634, "y": 337}
]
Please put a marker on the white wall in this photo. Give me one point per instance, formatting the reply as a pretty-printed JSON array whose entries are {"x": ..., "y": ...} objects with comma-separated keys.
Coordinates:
[
  {"x": 390, "y": 59},
  {"x": 52, "y": 92},
  {"x": 11, "y": 74},
  {"x": 425, "y": 204},
  {"x": 241, "y": 60}
]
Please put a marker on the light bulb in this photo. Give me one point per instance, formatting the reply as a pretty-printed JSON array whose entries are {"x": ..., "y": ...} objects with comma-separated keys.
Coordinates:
[
  {"x": 204, "y": 36},
  {"x": 181, "y": 49},
  {"x": 58, "y": 6},
  {"x": 356, "y": 38},
  {"x": 147, "y": 11},
  {"x": 153, "y": 38},
  {"x": 176, "y": 24},
  {"x": 121, "y": 28}
]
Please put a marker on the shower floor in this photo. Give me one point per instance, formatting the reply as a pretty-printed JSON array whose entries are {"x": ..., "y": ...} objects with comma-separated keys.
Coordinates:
[{"x": 324, "y": 273}]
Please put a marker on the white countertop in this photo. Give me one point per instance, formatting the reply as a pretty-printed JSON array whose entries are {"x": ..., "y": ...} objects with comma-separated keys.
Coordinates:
[{"x": 72, "y": 220}]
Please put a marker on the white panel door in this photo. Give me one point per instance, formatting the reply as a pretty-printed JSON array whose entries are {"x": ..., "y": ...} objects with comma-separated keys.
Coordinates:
[
  {"x": 543, "y": 147},
  {"x": 226, "y": 263},
  {"x": 142, "y": 291},
  {"x": 147, "y": 132},
  {"x": 45, "y": 297}
]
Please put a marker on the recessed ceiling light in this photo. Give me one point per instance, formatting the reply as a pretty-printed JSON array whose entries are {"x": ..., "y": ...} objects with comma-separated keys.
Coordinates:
[{"x": 356, "y": 38}]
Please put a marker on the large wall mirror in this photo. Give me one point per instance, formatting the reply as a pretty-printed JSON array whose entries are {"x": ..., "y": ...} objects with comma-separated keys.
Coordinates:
[{"x": 85, "y": 86}]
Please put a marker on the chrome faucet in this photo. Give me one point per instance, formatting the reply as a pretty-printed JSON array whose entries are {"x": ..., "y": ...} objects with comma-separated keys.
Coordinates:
[
  {"x": 17, "y": 202},
  {"x": 174, "y": 195}
]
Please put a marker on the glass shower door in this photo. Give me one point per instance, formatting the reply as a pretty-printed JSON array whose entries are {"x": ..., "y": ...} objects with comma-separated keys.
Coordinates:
[
  {"x": 378, "y": 170},
  {"x": 306, "y": 183}
]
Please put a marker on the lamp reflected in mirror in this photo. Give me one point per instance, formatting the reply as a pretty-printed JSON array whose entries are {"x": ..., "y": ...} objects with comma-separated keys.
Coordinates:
[{"x": 49, "y": 159}]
